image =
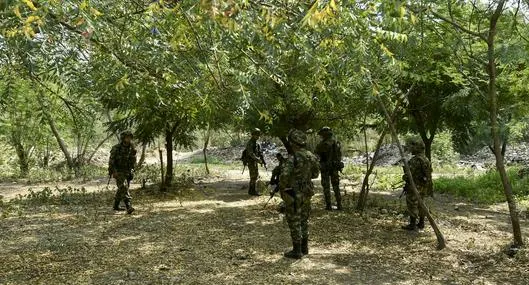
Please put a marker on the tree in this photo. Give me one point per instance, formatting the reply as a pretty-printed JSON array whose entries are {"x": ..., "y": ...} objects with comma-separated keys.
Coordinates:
[{"x": 490, "y": 15}]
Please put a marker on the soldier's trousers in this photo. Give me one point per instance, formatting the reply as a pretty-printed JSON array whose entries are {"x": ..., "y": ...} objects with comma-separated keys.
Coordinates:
[
  {"x": 297, "y": 212},
  {"x": 123, "y": 188},
  {"x": 412, "y": 203},
  {"x": 254, "y": 174},
  {"x": 329, "y": 177}
]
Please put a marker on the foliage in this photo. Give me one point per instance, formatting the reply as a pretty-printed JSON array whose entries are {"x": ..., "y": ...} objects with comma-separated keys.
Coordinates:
[
  {"x": 443, "y": 148},
  {"x": 482, "y": 188}
]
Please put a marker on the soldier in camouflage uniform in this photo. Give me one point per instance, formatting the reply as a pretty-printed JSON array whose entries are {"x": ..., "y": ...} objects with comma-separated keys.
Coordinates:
[
  {"x": 252, "y": 158},
  {"x": 329, "y": 152},
  {"x": 421, "y": 170},
  {"x": 121, "y": 166},
  {"x": 296, "y": 188}
]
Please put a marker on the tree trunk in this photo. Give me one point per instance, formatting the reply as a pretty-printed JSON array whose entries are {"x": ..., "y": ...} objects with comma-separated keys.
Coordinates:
[
  {"x": 287, "y": 144},
  {"x": 169, "y": 158},
  {"x": 162, "y": 173},
  {"x": 60, "y": 141},
  {"x": 143, "y": 155},
  {"x": 362, "y": 200},
  {"x": 205, "y": 149},
  {"x": 441, "y": 243},
  {"x": 504, "y": 147},
  {"x": 23, "y": 161},
  {"x": 428, "y": 148},
  {"x": 495, "y": 130},
  {"x": 99, "y": 145}
]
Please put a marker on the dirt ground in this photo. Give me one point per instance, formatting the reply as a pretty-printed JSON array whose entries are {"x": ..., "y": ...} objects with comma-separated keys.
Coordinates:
[{"x": 215, "y": 234}]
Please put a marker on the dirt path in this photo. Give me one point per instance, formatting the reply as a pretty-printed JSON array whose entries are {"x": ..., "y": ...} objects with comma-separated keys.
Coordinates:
[{"x": 216, "y": 234}]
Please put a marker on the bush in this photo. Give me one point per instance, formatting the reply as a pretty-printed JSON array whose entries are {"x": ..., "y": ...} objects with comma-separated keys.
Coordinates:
[
  {"x": 443, "y": 148},
  {"x": 484, "y": 188}
]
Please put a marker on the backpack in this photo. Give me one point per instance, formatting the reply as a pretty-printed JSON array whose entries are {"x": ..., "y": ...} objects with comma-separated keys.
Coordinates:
[
  {"x": 244, "y": 157},
  {"x": 336, "y": 156}
]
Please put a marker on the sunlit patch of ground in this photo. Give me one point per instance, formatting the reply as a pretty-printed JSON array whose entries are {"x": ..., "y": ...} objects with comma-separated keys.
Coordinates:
[{"x": 221, "y": 236}]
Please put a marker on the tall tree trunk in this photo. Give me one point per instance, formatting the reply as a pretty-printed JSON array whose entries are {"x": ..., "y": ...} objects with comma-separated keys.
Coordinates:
[
  {"x": 143, "y": 155},
  {"x": 428, "y": 148},
  {"x": 495, "y": 130},
  {"x": 205, "y": 148},
  {"x": 362, "y": 200},
  {"x": 99, "y": 145},
  {"x": 162, "y": 173},
  {"x": 441, "y": 243},
  {"x": 62, "y": 145},
  {"x": 23, "y": 159},
  {"x": 169, "y": 158}
]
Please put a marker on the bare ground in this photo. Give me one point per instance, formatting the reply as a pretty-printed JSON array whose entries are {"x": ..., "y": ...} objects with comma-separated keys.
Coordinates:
[{"x": 215, "y": 234}]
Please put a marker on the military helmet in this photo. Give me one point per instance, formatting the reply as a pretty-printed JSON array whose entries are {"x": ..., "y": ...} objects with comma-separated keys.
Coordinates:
[
  {"x": 325, "y": 131},
  {"x": 415, "y": 145},
  {"x": 256, "y": 131},
  {"x": 297, "y": 137},
  {"x": 125, "y": 134}
]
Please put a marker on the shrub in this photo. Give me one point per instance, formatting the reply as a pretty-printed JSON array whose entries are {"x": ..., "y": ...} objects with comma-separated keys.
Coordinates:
[
  {"x": 443, "y": 148},
  {"x": 484, "y": 188}
]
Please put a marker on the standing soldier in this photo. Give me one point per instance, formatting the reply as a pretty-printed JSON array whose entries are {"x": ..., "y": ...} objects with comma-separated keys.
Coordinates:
[
  {"x": 295, "y": 185},
  {"x": 421, "y": 171},
  {"x": 252, "y": 156},
  {"x": 330, "y": 153},
  {"x": 121, "y": 166}
]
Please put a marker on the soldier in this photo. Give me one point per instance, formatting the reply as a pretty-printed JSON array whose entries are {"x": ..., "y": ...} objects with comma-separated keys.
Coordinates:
[
  {"x": 296, "y": 188},
  {"x": 252, "y": 156},
  {"x": 121, "y": 166},
  {"x": 421, "y": 171},
  {"x": 329, "y": 151}
]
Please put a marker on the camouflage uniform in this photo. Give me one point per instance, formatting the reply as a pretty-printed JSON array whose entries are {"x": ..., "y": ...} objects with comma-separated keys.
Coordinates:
[
  {"x": 329, "y": 168},
  {"x": 276, "y": 172},
  {"x": 421, "y": 171},
  {"x": 295, "y": 185},
  {"x": 253, "y": 150},
  {"x": 121, "y": 166}
]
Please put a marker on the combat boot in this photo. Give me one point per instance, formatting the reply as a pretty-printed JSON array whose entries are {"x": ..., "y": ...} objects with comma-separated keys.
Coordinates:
[
  {"x": 420, "y": 225},
  {"x": 116, "y": 205},
  {"x": 130, "y": 209},
  {"x": 295, "y": 253},
  {"x": 305, "y": 246},
  {"x": 412, "y": 226}
]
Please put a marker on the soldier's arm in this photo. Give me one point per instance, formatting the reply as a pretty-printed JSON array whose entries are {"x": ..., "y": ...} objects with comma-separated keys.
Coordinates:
[
  {"x": 249, "y": 151},
  {"x": 286, "y": 172},
  {"x": 112, "y": 160},
  {"x": 315, "y": 167},
  {"x": 133, "y": 158}
]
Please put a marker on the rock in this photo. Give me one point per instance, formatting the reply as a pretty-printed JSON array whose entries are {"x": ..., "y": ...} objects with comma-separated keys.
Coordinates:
[
  {"x": 456, "y": 208},
  {"x": 384, "y": 211},
  {"x": 131, "y": 274}
]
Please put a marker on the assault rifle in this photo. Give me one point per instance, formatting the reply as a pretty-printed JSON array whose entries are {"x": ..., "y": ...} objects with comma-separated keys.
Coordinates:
[
  {"x": 272, "y": 194},
  {"x": 261, "y": 156}
]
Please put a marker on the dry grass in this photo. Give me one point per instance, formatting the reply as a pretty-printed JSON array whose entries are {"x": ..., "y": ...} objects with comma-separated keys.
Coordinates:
[{"x": 220, "y": 236}]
